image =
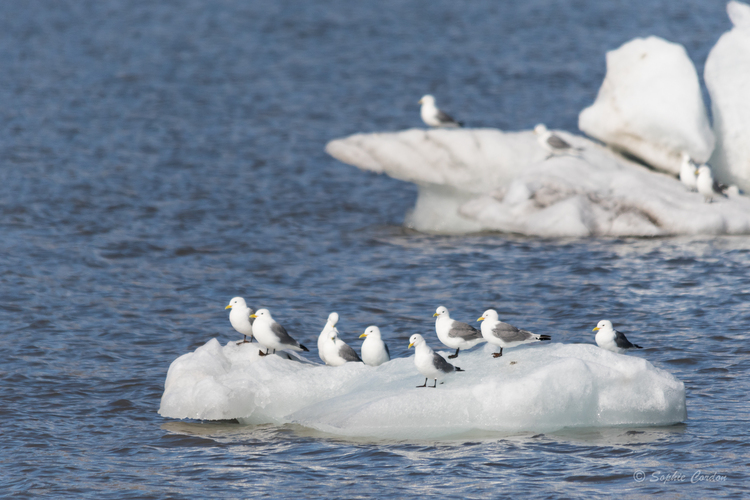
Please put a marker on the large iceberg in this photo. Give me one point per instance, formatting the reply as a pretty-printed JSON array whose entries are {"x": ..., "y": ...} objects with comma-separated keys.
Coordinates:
[
  {"x": 727, "y": 76},
  {"x": 531, "y": 388},
  {"x": 473, "y": 180},
  {"x": 650, "y": 105}
]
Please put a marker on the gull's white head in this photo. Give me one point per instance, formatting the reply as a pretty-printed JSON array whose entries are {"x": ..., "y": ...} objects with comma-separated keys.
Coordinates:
[
  {"x": 489, "y": 314},
  {"x": 703, "y": 170},
  {"x": 540, "y": 129},
  {"x": 237, "y": 301},
  {"x": 333, "y": 318},
  {"x": 371, "y": 331},
  {"x": 415, "y": 340},
  {"x": 604, "y": 324},
  {"x": 441, "y": 311},
  {"x": 262, "y": 313},
  {"x": 427, "y": 100}
]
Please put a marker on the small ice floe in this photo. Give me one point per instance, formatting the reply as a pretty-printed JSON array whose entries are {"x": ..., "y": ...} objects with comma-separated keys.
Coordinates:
[{"x": 551, "y": 386}]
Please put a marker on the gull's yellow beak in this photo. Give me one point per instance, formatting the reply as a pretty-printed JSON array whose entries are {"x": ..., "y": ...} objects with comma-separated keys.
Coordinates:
[
  {"x": 697, "y": 172},
  {"x": 228, "y": 307},
  {"x": 363, "y": 335},
  {"x": 253, "y": 316},
  {"x": 481, "y": 318},
  {"x": 436, "y": 314},
  {"x": 410, "y": 346},
  {"x": 419, "y": 101},
  {"x": 596, "y": 329}
]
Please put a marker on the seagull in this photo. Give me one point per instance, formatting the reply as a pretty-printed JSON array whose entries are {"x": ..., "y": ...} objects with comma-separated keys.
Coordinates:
[
  {"x": 374, "y": 351},
  {"x": 240, "y": 318},
  {"x": 504, "y": 335},
  {"x": 429, "y": 363},
  {"x": 455, "y": 334},
  {"x": 610, "y": 339},
  {"x": 325, "y": 335},
  {"x": 434, "y": 117},
  {"x": 706, "y": 184},
  {"x": 272, "y": 335},
  {"x": 687, "y": 172},
  {"x": 553, "y": 143},
  {"x": 337, "y": 352}
]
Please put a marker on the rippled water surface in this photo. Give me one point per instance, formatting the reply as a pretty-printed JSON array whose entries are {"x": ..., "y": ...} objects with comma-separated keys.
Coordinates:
[{"x": 158, "y": 159}]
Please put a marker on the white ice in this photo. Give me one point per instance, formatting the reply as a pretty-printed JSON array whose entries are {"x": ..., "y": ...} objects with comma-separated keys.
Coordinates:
[
  {"x": 538, "y": 388},
  {"x": 650, "y": 105},
  {"x": 727, "y": 76},
  {"x": 472, "y": 180}
]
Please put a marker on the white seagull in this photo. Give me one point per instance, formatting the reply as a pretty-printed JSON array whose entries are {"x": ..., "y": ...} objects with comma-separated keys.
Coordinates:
[
  {"x": 374, "y": 351},
  {"x": 455, "y": 334},
  {"x": 610, "y": 339},
  {"x": 240, "y": 318},
  {"x": 504, "y": 335},
  {"x": 338, "y": 352},
  {"x": 272, "y": 335},
  {"x": 687, "y": 172},
  {"x": 429, "y": 363},
  {"x": 553, "y": 143},
  {"x": 325, "y": 335},
  {"x": 434, "y": 117},
  {"x": 706, "y": 184}
]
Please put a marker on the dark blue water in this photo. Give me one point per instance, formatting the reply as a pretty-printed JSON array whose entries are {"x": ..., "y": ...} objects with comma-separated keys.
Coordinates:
[{"x": 158, "y": 159}]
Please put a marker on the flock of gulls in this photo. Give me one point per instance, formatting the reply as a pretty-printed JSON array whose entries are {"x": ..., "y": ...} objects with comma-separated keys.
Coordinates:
[
  {"x": 695, "y": 177},
  {"x": 333, "y": 351}
]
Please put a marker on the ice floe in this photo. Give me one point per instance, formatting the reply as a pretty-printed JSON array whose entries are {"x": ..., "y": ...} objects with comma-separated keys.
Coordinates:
[
  {"x": 484, "y": 179},
  {"x": 727, "y": 77},
  {"x": 536, "y": 388},
  {"x": 650, "y": 105}
]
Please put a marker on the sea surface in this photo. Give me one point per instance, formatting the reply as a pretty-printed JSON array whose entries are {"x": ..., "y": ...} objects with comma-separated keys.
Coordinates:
[{"x": 159, "y": 158}]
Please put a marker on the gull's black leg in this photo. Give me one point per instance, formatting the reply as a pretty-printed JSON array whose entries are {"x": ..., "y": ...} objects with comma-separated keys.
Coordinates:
[
  {"x": 245, "y": 341},
  {"x": 454, "y": 355},
  {"x": 497, "y": 355},
  {"x": 423, "y": 385},
  {"x": 435, "y": 385}
]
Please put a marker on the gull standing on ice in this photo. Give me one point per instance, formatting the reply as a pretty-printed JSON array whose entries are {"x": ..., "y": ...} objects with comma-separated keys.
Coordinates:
[
  {"x": 374, "y": 351},
  {"x": 610, "y": 339},
  {"x": 325, "y": 335},
  {"x": 553, "y": 143},
  {"x": 706, "y": 184},
  {"x": 504, "y": 335},
  {"x": 434, "y": 117},
  {"x": 455, "y": 334},
  {"x": 338, "y": 352},
  {"x": 429, "y": 363},
  {"x": 272, "y": 335},
  {"x": 687, "y": 172},
  {"x": 240, "y": 318}
]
